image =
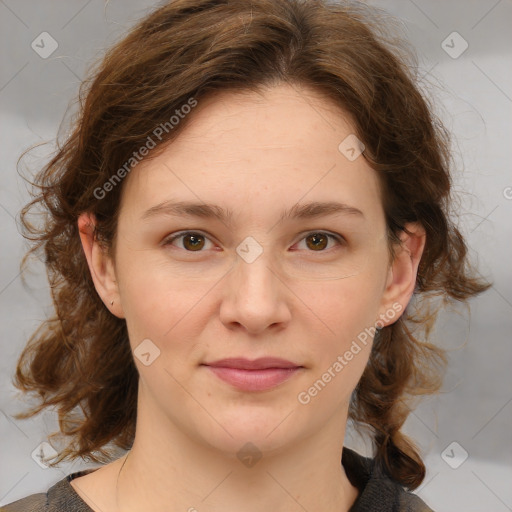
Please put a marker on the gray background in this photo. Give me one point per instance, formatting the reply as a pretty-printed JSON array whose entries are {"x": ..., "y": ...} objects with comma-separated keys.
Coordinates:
[{"x": 473, "y": 94}]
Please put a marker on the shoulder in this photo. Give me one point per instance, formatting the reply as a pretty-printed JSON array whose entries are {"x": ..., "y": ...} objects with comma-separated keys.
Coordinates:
[
  {"x": 409, "y": 502},
  {"x": 33, "y": 503},
  {"x": 377, "y": 491},
  {"x": 61, "y": 497}
]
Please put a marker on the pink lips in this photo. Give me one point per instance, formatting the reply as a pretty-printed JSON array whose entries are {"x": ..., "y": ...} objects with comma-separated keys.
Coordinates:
[{"x": 259, "y": 375}]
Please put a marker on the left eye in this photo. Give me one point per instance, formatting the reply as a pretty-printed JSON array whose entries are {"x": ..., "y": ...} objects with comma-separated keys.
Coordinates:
[
  {"x": 194, "y": 241},
  {"x": 320, "y": 239}
]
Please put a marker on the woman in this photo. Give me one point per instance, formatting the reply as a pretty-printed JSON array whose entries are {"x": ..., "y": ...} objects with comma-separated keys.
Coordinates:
[{"x": 252, "y": 196}]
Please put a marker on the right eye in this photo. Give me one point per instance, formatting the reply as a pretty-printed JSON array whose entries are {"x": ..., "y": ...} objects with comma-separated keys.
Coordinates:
[{"x": 192, "y": 240}]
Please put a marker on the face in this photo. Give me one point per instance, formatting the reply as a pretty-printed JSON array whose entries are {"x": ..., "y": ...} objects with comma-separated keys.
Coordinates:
[{"x": 197, "y": 300}]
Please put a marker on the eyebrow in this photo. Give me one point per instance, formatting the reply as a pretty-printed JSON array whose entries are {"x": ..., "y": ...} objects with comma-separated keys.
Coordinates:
[{"x": 206, "y": 211}]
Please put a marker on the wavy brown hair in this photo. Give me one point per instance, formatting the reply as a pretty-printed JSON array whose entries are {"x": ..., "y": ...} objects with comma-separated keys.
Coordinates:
[{"x": 80, "y": 360}]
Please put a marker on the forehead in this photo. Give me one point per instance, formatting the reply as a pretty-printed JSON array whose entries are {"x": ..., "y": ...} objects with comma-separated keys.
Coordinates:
[{"x": 252, "y": 152}]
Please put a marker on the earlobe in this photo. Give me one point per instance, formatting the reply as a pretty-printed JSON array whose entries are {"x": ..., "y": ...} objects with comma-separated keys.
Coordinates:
[
  {"x": 403, "y": 271},
  {"x": 100, "y": 265}
]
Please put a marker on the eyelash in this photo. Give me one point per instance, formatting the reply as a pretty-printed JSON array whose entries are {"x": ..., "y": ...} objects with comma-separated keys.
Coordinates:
[{"x": 338, "y": 238}]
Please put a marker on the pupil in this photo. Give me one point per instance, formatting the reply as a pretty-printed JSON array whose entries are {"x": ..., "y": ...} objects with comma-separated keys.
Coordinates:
[
  {"x": 318, "y": 236},
  {"x": 195, "y": 240}
]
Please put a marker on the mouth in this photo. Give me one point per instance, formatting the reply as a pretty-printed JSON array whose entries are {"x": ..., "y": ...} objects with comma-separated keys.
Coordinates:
[{"x": 258, "y": 375}]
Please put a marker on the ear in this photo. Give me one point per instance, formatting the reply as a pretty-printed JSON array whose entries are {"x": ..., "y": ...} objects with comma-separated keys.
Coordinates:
[
  {"x": 100, "y": 265},
  {"x": 402, "y": 273}
]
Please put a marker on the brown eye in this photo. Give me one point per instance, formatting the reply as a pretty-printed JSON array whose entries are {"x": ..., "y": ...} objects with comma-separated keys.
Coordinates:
[
  {"x": 318, "y": 241},
  {"x": 191, "y": 241},
  {"x": 194, "y": 242}
]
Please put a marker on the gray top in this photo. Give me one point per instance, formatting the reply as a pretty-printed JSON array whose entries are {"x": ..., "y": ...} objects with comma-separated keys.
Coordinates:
[{"x": 377, "y": 492}]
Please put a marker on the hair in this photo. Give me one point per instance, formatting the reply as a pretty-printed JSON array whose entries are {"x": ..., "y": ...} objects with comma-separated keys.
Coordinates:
[{"x": 80, "y": 360}]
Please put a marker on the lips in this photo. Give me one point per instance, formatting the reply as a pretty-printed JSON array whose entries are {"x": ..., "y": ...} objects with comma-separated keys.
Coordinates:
[
  {"x": 262, "y": 363},
  {"x": 258, "y": 375}
]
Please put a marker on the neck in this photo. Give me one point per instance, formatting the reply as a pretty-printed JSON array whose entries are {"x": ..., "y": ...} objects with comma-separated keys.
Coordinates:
[{"x": 168, "y": 471}]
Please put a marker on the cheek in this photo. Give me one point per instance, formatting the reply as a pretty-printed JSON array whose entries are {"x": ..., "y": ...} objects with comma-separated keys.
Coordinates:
[
  {"x": 346, "y": 306},
  {"x": 153, "y": 301},
  {"x": 344, "y": 315}
]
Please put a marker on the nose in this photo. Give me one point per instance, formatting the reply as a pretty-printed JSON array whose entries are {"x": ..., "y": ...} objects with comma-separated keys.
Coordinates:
[{"x": 255, "y": 296}]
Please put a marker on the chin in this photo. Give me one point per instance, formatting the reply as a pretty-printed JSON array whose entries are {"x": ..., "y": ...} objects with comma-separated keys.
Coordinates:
[{"x": 259, "y": 430}]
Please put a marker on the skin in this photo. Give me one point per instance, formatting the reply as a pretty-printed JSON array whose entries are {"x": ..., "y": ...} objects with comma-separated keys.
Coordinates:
[{"x": 256, "y": 154}]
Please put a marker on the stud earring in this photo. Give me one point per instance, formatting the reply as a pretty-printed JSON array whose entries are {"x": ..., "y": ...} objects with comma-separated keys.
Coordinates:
[{"x": 111, "y": 302}]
